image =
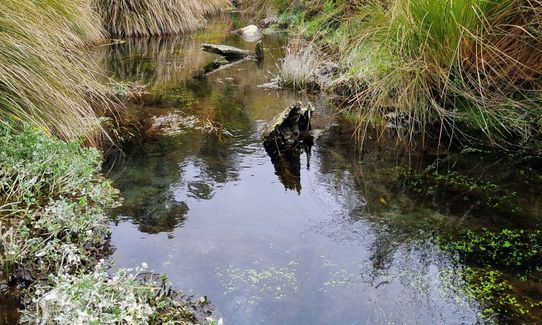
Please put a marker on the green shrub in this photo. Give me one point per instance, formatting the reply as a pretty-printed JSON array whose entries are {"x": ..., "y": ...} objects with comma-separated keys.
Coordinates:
[{"x": 36, "y": 168}]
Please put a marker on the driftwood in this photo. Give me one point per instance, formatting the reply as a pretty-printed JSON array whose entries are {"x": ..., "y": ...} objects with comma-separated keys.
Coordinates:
[
  {"x": 230, "y": 56},
  {"x": 289, "y": 124},
  {"x": 229, "y": 52}
]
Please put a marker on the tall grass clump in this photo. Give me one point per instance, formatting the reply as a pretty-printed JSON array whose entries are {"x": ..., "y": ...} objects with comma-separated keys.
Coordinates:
[
  {"x": 474, "y": 64},
  {"x": 472, "y": 67},
  {"x": 298, "y": 68},
  {"x": 155, "y": 17},
  {"x": 45, "y": 77}
]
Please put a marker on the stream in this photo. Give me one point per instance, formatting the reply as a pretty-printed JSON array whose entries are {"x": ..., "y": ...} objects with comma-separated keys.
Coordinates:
[
  {"x": 330, "y": 238},
  {"x": 334, "y": 237}
]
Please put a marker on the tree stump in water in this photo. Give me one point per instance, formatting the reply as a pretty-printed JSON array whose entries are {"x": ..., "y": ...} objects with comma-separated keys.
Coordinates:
[{"x": 285, "y": 138}]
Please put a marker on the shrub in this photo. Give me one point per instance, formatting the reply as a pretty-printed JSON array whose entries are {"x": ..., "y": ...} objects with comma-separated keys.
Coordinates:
[
  {"x": 127, "y": 297},
  {"x": 36, "y": 167}
]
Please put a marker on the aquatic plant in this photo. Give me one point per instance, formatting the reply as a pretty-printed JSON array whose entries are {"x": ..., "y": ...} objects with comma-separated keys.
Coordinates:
[
  {"x": 155, "y": 17},
  {"x": 507, "y": 248},
  {"x": 45, "y": 77},
  {"x": 496, "y": 295},
  {"x": 436, "y": 184}
]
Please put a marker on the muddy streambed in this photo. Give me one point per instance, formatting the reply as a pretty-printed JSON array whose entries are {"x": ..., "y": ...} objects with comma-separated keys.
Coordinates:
[{"x": 334, "y": 236}]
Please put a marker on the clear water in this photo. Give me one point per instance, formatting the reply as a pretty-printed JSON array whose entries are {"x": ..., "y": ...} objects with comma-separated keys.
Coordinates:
[{"x": 328, "y": 246}]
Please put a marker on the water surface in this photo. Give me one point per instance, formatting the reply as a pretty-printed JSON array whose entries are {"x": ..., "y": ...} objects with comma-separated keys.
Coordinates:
[{"x": 335, "y": 241}]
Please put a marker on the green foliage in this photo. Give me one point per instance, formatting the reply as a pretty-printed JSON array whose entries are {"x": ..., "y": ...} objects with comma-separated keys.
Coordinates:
[
  {"x": 36, "y": 167},
  {"x": 507, "y": 248}
]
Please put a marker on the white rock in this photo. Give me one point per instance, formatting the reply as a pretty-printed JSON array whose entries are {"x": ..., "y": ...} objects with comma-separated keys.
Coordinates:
[{"x": 250, "y": 33}]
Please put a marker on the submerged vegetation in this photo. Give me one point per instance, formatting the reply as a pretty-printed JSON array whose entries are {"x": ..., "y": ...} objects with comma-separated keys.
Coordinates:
[{"x": 489, "y": 256}]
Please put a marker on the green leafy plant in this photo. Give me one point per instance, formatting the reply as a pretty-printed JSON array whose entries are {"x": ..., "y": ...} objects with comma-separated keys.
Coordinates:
[{"x": 507, "y": 248}]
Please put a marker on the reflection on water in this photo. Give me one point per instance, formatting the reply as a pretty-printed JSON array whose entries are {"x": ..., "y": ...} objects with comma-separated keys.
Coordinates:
[{"x": 347, "y": 246}]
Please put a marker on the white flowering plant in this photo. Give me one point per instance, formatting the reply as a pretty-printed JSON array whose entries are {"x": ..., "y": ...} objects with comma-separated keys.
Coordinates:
[{"x": 127, "y": 297}]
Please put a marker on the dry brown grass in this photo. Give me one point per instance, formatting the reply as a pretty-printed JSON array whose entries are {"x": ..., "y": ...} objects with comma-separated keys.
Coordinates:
[
  {"x": 155, "y": 17},
  {"x": 46, "y": 79}
]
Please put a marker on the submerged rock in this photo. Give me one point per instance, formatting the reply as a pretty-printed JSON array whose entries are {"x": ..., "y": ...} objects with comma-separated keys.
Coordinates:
[{"x": 171, "y": 124}]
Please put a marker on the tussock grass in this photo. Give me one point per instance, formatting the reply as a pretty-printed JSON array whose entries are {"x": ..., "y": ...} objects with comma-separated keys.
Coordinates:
[
  {"x": 155, "y": 17},
  {"x": 469, "y": 63},
  {"x": 298, "y": 68},
  {"x": 45, "y": 76},
  {"x": 472, "y": 67}
]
